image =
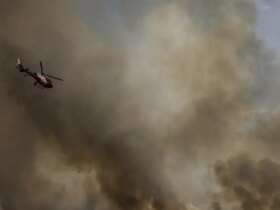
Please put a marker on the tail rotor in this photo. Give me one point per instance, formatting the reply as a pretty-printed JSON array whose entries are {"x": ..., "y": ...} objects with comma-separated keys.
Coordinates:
[{"x": 19, "y": 66}]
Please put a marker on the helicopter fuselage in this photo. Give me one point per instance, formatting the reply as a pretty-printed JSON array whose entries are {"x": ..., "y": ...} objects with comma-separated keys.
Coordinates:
[
  {"x": 40, "y": 79},
  {"x": 44, "y": 81}
]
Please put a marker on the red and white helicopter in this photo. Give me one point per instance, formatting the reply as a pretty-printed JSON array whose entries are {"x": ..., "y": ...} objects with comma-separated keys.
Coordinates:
[{"x": 44, "y": 80}]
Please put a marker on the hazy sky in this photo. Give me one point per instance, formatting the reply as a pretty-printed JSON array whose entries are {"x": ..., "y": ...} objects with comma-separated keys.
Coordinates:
[
  {"x": 109, "y": 16},
  {"x": 268, "y": 19},
  {"x": 111, "y": 19}
]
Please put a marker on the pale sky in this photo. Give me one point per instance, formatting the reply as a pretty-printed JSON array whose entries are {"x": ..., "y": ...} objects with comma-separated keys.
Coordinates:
[
  {"x": 108, "y": 16},
  {"x": 268, "y": 26}
]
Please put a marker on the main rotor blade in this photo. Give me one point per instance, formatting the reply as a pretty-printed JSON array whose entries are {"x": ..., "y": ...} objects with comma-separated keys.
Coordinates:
[
  {"x": 42, "y": 68},
  {"x": 53, "y": 77}
]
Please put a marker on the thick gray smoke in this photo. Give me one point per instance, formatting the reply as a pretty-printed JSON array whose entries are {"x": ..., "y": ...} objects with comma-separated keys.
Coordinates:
[
  {"x": 77, "y": 119},
  {"x": 132, "y": 127},
  {"x": 249, "y": 184}
]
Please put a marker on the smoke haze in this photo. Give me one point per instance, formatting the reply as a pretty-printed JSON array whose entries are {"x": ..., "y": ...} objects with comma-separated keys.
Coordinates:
[{"x": 164, "y": 119}]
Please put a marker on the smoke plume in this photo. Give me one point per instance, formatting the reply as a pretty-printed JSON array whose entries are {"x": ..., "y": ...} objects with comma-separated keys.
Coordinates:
[
  {"x": 249, "y": 184},
  {"x": 136, "y": 125}
]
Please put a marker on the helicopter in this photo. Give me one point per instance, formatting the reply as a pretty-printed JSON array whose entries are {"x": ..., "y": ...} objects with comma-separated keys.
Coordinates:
[{"x": 41, "y": 79}]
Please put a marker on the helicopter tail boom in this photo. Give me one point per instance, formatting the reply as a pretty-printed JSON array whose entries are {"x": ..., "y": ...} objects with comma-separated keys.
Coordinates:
[{"x": 20, "y": 66}]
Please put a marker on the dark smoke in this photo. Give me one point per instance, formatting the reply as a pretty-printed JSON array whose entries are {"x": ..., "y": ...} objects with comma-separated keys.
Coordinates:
[
  {"x": 77, "y": 117},
  {"x": 253, "y": 185}
]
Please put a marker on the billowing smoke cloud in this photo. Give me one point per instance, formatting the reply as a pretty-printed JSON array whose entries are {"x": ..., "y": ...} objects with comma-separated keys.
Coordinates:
[
  {"x": 249, "y": 184},
  {"x": 132, "y": 127},
  {"x": 77, "y": 119}
]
